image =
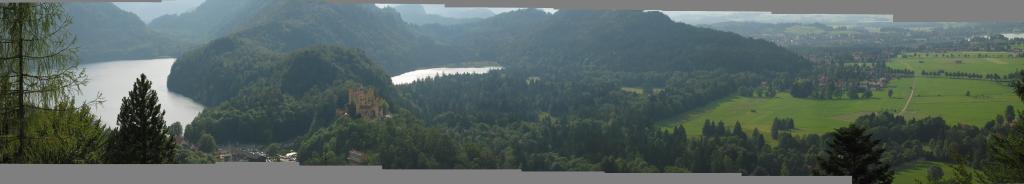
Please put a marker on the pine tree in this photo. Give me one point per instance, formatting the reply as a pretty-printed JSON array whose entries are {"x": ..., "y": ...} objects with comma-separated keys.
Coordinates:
[
  {"x": 737, "y": 130},
  {"x": 720, "y": 129},
  {"x": 854, "y": 153},
  {"x": 708, "y": 129},
  {"x": 775, "y": 133},
  {"x": 757, "y": 138},
  {"x": 141, "y": 136}
]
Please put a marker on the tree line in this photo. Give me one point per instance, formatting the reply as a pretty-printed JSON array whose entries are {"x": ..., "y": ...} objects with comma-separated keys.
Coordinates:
[{"x": 966, "y": 75}]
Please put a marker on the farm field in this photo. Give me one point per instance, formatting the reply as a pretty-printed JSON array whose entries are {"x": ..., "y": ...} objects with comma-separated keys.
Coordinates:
[
  {"x": 1001, "y": 63},
  {"x": 934, "y": 97}
]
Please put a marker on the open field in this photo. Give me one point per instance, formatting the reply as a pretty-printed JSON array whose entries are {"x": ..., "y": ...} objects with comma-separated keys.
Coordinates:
[
  {"x": 908, "y": 173},
  {"x": 934, "y": 97},
  {"x": 1001, "y": 63}
]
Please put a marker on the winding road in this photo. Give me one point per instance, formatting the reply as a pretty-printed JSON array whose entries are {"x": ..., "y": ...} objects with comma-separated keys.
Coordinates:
[{"x": 913, "y": 88}]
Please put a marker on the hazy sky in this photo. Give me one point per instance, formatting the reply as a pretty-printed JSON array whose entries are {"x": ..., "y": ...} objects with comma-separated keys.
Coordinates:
[
  {"x": 709, "y": 17},
  {"x": 495, "y": 10},
  {"x": 148, "y": 11}
]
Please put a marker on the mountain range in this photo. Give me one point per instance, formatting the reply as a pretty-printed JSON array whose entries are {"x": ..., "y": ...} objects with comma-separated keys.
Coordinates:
[
  {"x": 233, "y": 54},
  {"x": 104, "y": 32}
]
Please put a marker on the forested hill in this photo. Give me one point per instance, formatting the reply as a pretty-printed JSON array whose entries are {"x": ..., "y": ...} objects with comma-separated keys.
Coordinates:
[
  {"x": 275, "y": 96},
  {"x": 210, "y": 20},
  {"x": 240, "y": 75},
  {"x": 264, "y": 82},
  {"x": 104, "y": 32},
  {"x": 288, "y": 25},
  {"x": 220, "y": 70},
  {"x": 215, "y": 72},
  {"x": 613, "y": 40}
]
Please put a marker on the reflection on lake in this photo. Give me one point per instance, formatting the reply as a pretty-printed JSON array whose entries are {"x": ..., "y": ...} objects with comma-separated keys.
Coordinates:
[
  {"x": 409, "y": 77},
  {"x": 114, "y": 79}
]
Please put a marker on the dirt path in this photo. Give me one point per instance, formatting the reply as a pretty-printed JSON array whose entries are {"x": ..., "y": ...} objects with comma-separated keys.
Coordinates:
[{"x": 913, "y": 88}]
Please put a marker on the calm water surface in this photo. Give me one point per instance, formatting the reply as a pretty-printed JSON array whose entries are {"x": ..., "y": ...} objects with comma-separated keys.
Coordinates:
[
  {"x": 114, "y": 79},
  {"x": 430, "y": 73}
]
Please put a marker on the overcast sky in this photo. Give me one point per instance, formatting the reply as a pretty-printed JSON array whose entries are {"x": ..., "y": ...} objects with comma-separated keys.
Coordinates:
[{"x": 148, "y": 11}]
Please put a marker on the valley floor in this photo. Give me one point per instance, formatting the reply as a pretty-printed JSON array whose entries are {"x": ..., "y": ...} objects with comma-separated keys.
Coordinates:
[{"x": 934, "y": 97}]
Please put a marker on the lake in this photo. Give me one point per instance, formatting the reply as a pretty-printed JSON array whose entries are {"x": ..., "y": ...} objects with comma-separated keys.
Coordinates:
[
  {"x": 114, "y": 80},
  {"x": 1013, "y": 35},
  {"x": 409, "y": 77}
]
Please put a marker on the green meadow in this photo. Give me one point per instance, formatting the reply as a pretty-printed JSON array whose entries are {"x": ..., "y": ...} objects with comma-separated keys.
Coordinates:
[
  {"x": 1001, "y": 63},
  {"x": 942, "y": 97},
  {"x": 934, "y": 97}
]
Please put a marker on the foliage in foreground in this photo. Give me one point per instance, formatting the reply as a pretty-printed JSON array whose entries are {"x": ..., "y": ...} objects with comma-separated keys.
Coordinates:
[
  {"x": 38, "y": 76},
  {"x": 1007, "y": 163}
]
